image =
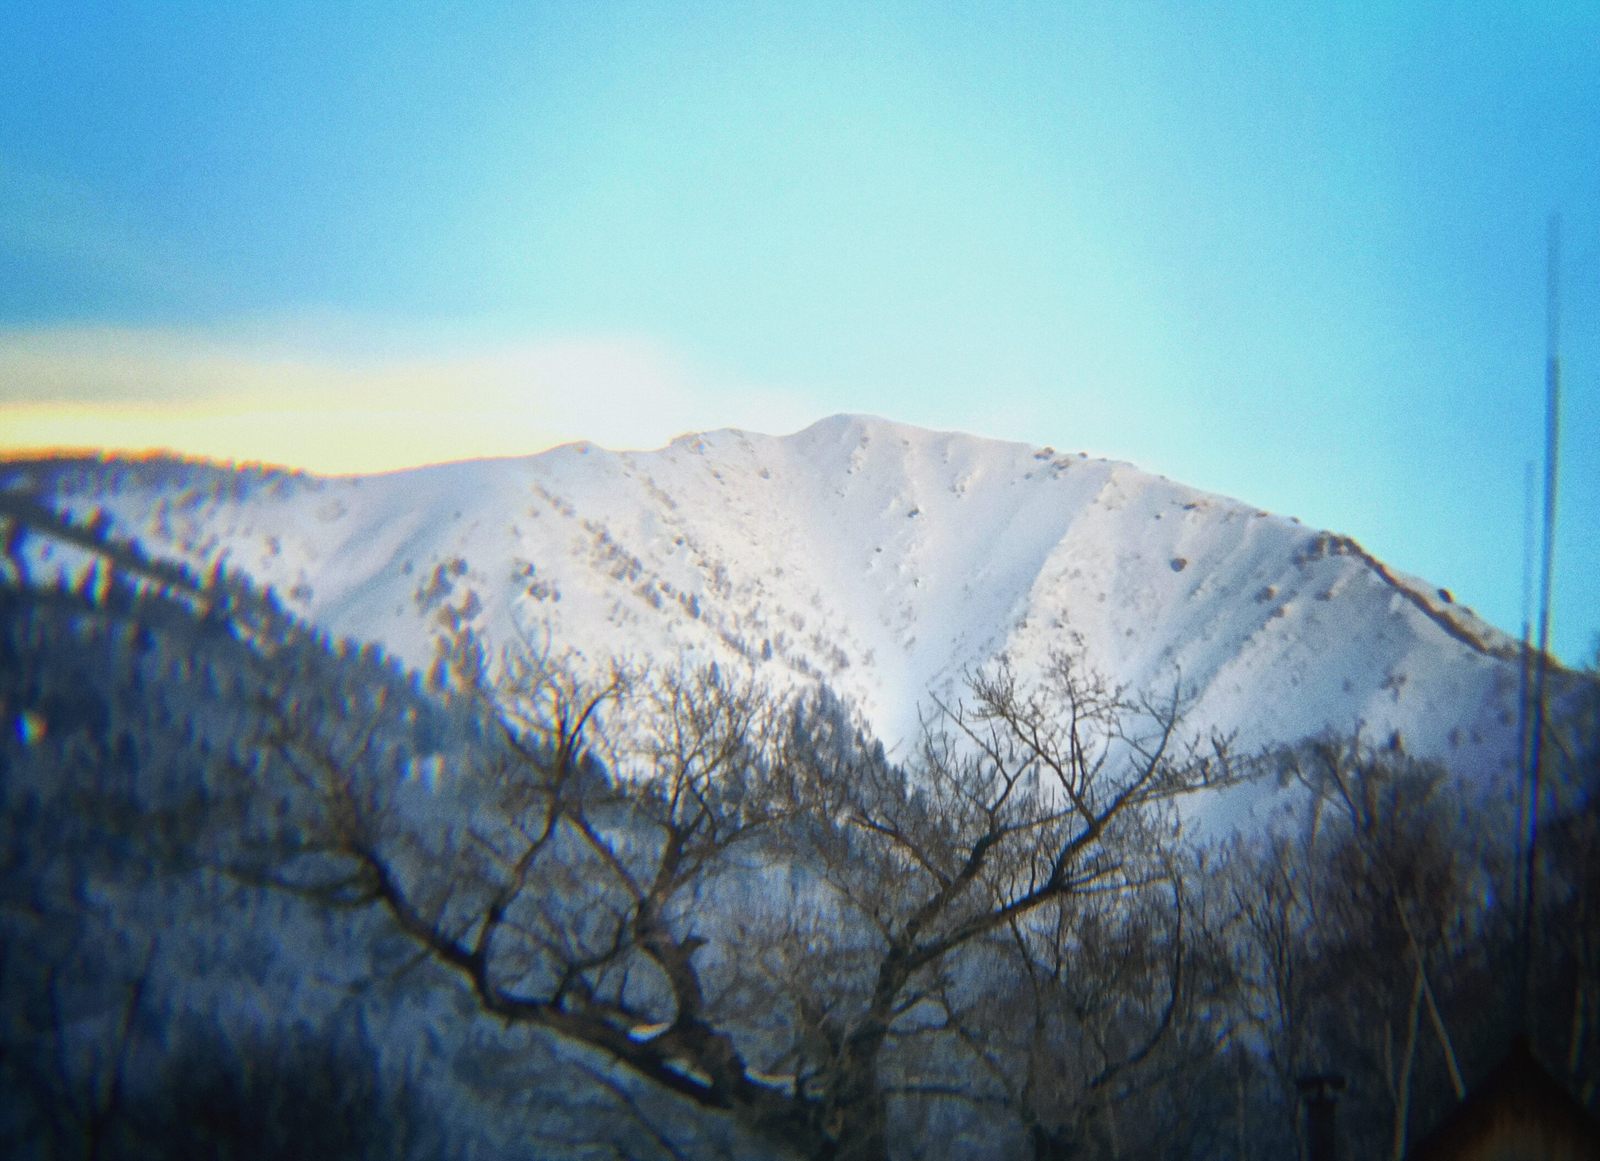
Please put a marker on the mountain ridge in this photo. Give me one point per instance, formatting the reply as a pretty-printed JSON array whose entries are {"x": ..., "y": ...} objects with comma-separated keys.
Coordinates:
[{"x": 883, "y": 559}]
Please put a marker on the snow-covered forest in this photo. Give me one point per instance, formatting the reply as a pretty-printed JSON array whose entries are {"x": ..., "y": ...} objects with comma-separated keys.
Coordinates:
[{"x": 265, "y": 891}]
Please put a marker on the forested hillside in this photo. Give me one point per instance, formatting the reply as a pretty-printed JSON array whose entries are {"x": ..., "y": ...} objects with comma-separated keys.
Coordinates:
[{"x": 267, "y": 892}]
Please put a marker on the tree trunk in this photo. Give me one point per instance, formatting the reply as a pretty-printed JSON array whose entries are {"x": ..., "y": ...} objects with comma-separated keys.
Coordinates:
[
  {"x": 1051, "y": 1144},
  {"x": 851, "y": 1116},
  {"x": 1111, "y": 1128},
  {"x": 857, "y": 1128},
  {"x": 1402, "y": 1104}
]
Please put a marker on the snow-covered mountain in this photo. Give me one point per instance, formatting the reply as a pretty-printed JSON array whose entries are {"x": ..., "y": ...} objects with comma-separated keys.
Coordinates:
[{"x": 886, "y": 560}]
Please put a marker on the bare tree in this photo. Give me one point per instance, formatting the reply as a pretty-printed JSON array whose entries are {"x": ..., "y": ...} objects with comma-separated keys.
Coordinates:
[
  {"x": 599, "y": 900},
  {"x": 1028, "y": 795},
  {"x": 1355, "y": 923},
  {"x": 1075, "y": 1008},
  {"x": 589, "y": 855}
]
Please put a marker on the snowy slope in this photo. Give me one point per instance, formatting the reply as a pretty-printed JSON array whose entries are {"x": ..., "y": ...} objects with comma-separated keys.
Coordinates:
[{"x": 885, "y": 559}]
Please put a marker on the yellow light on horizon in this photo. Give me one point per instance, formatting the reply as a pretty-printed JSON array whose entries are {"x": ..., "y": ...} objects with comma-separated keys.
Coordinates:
[
  {"x": 142, "y": 391},
  {"x": 323, "y": 440}
]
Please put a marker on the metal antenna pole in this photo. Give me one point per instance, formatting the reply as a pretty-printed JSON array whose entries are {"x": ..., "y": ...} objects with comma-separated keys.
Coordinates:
[
  {"x": 1552, "y": 437},
  {"x": 1524, "y": 708}
]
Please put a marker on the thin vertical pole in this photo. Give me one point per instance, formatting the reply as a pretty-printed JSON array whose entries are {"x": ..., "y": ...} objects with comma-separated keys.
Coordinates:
[
  {"x": 1524, "y": 689},
  {"x": 1552, "y": 438},
  {"x": 1523, "y": 767}
]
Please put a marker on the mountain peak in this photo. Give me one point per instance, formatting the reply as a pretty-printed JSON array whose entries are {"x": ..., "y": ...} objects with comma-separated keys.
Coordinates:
[{"x": 886, "y": 560}]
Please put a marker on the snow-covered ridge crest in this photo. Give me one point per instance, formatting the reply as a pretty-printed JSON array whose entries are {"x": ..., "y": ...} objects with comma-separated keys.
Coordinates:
[{"x": 884, "y": 559}]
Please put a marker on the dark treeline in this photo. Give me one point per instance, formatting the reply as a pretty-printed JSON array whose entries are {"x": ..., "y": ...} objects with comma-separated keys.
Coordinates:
[{"x": 255, "y": 880}]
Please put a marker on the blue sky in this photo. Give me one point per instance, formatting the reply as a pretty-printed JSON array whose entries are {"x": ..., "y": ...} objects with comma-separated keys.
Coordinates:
[{"x": 1293, "y": 253}]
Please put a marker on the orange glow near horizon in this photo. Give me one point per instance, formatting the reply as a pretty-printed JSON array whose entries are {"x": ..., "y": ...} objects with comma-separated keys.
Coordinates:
[
  {"x": 135, "y": 392},
  {"x": 325, "y": 441}
]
